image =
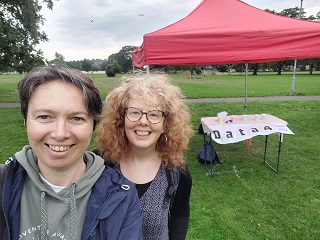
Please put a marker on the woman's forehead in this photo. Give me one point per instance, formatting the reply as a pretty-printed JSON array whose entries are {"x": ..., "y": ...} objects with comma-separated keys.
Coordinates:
[{"x": 150, "y": 100}]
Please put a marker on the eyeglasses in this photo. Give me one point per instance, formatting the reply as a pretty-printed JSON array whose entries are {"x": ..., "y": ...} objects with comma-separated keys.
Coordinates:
[{"x": 135, "y": 114}]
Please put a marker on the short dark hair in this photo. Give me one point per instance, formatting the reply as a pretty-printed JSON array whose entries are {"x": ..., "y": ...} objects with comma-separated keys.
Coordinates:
[{"x": 44, "y": 74}]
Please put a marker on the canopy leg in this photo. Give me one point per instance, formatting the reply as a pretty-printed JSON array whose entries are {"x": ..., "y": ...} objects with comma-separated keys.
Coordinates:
[{"x": 245, "y": 89}]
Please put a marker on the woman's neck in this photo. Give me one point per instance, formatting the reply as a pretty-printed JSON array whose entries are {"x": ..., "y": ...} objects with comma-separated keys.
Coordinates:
[
  {"x": 140, "y": 168},
  {"x": 63, "y": 177}
]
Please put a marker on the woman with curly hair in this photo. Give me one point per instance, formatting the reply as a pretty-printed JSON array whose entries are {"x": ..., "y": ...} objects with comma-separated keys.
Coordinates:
[{"x": 143, "y": 133}]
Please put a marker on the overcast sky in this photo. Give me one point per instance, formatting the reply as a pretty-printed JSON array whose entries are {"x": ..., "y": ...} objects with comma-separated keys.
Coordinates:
[{"x": 95, "y": 29}]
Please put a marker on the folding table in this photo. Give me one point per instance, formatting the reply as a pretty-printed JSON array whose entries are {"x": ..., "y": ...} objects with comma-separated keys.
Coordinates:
[{"x": 236, "y": 128}]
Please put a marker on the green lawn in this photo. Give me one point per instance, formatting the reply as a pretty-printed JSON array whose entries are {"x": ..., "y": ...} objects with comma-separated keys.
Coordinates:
[
  {"x": 216, "y": 86},
  {"x": 244, "y": 199},
  {"x": 247, "y": 200}
]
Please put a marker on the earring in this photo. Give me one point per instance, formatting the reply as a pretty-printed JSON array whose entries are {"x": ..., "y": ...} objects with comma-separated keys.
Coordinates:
[
  {"x": 159, "y": 140},
  {"x": 165, "y": 137}
]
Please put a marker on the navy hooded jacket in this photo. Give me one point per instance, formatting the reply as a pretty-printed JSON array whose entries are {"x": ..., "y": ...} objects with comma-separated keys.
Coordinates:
[{"x": 113, "y": 210}]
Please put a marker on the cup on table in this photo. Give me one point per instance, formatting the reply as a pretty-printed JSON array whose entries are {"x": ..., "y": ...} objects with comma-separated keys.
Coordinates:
[{"x": 244, "y": 118}]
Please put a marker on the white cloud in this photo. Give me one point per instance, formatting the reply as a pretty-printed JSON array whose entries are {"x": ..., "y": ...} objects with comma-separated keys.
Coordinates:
[{"x": 97, "y": 28}]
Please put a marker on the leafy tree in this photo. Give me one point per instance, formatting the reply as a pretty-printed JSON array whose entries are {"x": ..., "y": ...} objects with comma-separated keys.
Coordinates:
[
  {"x": 75, "y": 64},
  {"x": 313, "y": 64},
  {"x": 314, "y": 18},
  {"x": 239, "y": 67},
  {"x": 294, "y": 13},
  {"x": 222, "y": 68},
  {"x": 116, "y": 67},
  {"x": 19, "y": 33},
  {"x": 170, "y": 69},
  {"x": 103, "y": 65},
  {"x": 112, "y": 69},
  {"x": 123, "y": 57},
  {"x": 195, "y": 69},
  {"x": 317, "y": 16},
  {"x": 255, "y": 69},
  {"x": 109, "y": 71},
  {"x": 280, "y": 64},
  {"x": 86, "y": 65},
  {"x": 112, "y": 58},
  {"x": 95, "y": 68},
  {"x": 58, "y": 60}
]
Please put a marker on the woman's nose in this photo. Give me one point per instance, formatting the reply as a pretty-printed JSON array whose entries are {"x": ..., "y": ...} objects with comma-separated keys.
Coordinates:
[
  {"x": 144, "y": 119},
  {"x": 61, "y": 130}
]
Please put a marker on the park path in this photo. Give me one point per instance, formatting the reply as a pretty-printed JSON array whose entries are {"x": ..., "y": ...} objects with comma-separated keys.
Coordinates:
[
  {"x": 256, "y": 99},
  {"x": 198, "y": 100}
]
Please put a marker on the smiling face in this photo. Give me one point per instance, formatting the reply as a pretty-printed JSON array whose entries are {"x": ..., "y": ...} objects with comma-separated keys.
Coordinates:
[
  {"x": 58, "y": 126},
  {"x": 143, "y": 135}
]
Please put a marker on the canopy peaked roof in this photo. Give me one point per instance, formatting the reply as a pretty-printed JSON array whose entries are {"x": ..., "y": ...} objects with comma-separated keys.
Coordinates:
[{"x": 229, "y": 31}]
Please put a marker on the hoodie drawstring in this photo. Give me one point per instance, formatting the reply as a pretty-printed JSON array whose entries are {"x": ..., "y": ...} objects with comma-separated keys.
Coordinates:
[
  {"x": 73, "y": 215},
  {"x": 44, "y": 216}
]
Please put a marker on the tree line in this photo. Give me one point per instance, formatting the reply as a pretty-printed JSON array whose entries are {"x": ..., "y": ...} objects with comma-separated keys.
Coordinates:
[{"x": 20, "y": 33}]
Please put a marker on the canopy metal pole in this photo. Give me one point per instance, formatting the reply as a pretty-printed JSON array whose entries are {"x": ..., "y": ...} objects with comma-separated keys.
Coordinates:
[
  {"x": 147, "y": 69},
  {"x": 245, "y": 89},
  {"x": 293, "y": 82}
]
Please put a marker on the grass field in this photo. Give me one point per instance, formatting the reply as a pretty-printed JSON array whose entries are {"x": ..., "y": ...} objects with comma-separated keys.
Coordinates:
[
  {"x": 217, "y": 86},
  {"x": 244, "y": 199}
]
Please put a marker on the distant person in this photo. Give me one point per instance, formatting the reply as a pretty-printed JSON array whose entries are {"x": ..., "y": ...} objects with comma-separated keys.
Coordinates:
[
  {"x": 144, "y": 132},
  {"x": 204, "y": 74},
  {"x": 54, "y": 188}
]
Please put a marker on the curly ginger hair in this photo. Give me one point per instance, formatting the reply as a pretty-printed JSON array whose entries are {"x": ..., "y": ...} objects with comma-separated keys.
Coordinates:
[{"x": 111, "y": 137}]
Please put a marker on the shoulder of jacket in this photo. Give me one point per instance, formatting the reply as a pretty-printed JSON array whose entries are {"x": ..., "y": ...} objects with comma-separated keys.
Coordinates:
[
  {"x": 9, "y": 160},
  {"x": 112, "y": 177}
]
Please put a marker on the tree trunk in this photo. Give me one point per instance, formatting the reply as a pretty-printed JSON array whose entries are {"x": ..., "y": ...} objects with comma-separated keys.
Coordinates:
[
  {"x": 311, "y": 68},
  {"x": 279, "y": 67},
  {"x": 255, "y": 69}
]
